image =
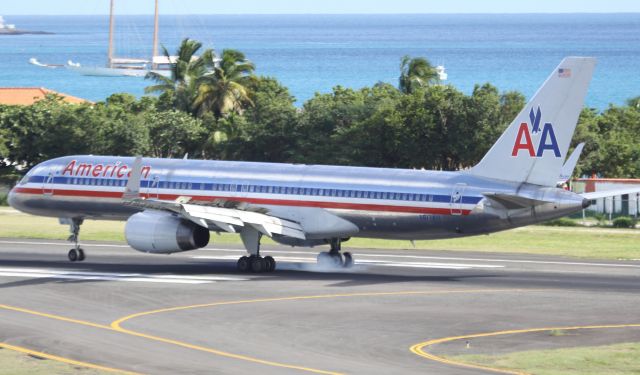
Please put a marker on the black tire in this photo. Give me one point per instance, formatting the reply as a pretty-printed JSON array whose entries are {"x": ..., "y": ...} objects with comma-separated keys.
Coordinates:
[
  {"x": 72, "y": 255},
  {"x": 348, "y": 260},
  {"x": 243, "y": 264},
  {"x": 270, "y": 263},
  {"x": 258, "y": 265},
  {"x": 80, "y": 255},
  {"x": 337, "y": 260}
]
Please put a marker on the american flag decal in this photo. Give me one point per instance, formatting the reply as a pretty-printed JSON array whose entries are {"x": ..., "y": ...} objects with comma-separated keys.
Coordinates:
[{"x": 564, "y": 73}]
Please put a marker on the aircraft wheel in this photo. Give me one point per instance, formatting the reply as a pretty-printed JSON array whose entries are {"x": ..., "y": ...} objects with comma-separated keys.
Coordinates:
[
  {"x": 80, "y": 255},
  {"x": 348, "y": 260},
  {"x": 270, "y": 263},
  {"x": 243, "y": 264},
  {"x": 337, "y": 259},
  {"x": 73, "y": 255},
  {"x": 258, "y": 265}
]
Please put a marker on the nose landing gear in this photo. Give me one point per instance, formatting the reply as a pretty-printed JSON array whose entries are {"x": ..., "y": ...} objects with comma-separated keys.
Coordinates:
[{"x": 77, "y": 253}]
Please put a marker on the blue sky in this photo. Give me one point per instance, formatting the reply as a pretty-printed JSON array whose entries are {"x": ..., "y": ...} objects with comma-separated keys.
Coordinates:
[{"x": 52, "y": 7}]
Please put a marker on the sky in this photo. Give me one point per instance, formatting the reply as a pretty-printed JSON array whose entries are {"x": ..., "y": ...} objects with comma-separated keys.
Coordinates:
[{"x": 67, "y": 7}]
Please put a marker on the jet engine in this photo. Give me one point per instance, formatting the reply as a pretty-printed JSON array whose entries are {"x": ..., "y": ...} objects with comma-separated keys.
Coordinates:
[{"x": 163, "y": 233}]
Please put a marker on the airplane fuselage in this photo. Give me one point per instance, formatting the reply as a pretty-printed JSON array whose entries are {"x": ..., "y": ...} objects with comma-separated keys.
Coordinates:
[{"x": 380, "y": 202}]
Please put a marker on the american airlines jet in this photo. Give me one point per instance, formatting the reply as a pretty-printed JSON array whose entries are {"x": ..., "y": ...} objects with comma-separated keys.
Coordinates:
[{"x": 172, "y": 205}]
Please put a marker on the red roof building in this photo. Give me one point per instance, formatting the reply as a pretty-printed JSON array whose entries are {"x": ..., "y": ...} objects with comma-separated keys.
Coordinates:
[{"x": 30, "y": 95}]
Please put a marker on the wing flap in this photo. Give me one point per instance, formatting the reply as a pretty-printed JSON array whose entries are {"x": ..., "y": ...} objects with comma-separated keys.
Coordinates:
[{"x": 226, "y": 219}]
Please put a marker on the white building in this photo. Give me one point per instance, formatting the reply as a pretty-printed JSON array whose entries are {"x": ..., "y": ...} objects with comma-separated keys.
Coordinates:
[{"x": 621, "y": 205}]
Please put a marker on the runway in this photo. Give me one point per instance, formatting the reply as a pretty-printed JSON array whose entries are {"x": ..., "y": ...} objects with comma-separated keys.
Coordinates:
[{"x": 124, "y": 311}]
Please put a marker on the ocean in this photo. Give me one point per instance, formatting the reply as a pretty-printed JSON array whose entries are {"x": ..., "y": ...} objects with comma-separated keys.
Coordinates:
[{"x": 313, "y": 53}]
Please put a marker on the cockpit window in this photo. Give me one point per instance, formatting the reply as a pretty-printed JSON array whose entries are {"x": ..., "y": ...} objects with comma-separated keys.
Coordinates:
[{"x": 25, "y": 179}]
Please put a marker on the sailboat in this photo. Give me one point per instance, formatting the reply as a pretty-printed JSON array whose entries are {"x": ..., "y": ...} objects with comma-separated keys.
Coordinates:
[{"x": 128, "y": 67}]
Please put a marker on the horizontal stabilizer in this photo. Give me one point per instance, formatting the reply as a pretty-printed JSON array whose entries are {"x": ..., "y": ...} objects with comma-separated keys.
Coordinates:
[
  {"x": 511, "y": 201},
  {"x": 570, "y": 164},
  {"x": 610, "y": 193}
]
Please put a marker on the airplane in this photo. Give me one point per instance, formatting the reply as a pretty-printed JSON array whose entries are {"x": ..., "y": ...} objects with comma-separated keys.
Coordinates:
[{"x": 172, "y": 205}]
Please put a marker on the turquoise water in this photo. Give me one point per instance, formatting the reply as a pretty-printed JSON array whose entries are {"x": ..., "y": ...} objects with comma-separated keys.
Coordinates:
[{"x": 313, "y": 53}]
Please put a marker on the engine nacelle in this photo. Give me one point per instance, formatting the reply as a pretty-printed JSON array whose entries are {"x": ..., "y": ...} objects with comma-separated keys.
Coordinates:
[{"x": 163, "y": 233}]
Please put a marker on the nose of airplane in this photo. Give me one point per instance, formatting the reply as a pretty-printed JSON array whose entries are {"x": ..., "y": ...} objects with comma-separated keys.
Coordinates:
[
  {"x": 14, "y": 200},
  {"x": 11, "y": 198}
]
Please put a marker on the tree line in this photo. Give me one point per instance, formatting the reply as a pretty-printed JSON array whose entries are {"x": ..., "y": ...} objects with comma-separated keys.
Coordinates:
[{"x": 215, "y": 107}]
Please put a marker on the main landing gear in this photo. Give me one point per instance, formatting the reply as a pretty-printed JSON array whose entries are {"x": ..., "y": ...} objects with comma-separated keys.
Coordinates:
[
  {"x": 77, "y": 253},
  {"x": 254, "y": 262},
  {"x": 334, "y": 258}
]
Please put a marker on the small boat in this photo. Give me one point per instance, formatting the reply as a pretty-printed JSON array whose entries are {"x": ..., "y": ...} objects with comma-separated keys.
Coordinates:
[
  {"x": 10, "y": 29},
  {"x": 34, "y": 61}
]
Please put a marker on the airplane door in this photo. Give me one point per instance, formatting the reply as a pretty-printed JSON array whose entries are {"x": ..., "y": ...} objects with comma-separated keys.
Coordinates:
[
  {"x": 456, "y": 199},
  {"x": 152, "y": 188},
  {"x": 47, "y": 185}
]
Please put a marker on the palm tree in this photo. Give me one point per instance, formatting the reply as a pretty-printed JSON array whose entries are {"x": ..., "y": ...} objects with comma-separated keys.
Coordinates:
[
  {"x": 186, "y": 73},
  {"x": 225, "y": 90},
  {"x": 415, "y": 73}
]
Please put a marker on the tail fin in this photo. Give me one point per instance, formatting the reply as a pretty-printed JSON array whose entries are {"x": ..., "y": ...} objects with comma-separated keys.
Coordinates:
[{"x": 534, "y": 146}]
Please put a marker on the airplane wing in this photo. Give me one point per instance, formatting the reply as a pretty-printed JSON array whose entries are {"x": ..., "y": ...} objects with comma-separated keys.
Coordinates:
[
  {"x": 211, "y": 217},
  {"x": 570, "y": 164},
  {"x": 610, "y": 193}
]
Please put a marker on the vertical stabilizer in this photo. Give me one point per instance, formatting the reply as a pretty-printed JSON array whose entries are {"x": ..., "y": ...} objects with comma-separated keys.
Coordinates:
[{"x": 534, "y": 146}]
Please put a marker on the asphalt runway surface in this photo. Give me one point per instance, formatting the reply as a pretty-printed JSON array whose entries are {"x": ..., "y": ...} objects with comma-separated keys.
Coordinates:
[{"x": 194, "y": 313}]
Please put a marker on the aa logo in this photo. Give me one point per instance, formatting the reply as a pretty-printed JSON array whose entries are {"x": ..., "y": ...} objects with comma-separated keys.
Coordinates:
[{"x": 545, "y": 142}]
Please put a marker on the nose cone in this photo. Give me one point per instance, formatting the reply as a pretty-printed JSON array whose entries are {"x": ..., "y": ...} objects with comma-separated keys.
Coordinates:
[
  {"x": 11, "y": 198},
  {"x": 14, "y": 200}
]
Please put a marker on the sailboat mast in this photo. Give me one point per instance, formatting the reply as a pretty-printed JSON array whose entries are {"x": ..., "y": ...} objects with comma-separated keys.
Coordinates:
[
  {"x": 110, "y": 53},
  {"x": 154, "y": 53}
]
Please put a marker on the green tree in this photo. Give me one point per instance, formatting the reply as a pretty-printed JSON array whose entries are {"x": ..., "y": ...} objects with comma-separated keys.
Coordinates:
[
  {"x": 225, "y": 89},
  {"x": 181, "y": 88},
  {"x": 174, "y": 133},
  {"x": 416, "y": 73},
  {"x": 270, "y": 132},
  {"x": 118, "y": 126},
  {"x": 47, "y": 129}
]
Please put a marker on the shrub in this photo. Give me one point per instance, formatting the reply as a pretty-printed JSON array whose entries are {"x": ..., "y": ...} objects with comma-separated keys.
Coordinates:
[
  {"x": 561, "y": 222},
  {"x": 624, "y": 222},
  {"x": 3, "y": 199}
]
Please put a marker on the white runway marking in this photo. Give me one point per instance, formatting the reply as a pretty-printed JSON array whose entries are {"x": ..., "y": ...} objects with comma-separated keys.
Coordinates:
[
  {"x": 361, "y": 261},
  {"x": 428, "y": 257},
  {"x": 64, "y": 244},
  {"x": 109, "y": 276},
  {"x": 398, "y": 256}
]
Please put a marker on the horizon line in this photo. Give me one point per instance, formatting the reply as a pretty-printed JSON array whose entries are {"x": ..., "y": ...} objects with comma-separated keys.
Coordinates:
[{"x": 325, "y": 14}]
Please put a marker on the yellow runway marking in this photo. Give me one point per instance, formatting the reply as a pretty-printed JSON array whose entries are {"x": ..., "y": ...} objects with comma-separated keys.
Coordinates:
[
  {"x": 116, "y": 326},
  {"x": 56, "y": 317},
  {"x": 419, "y": 348},
  {"x": 64, "y": 359}
]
